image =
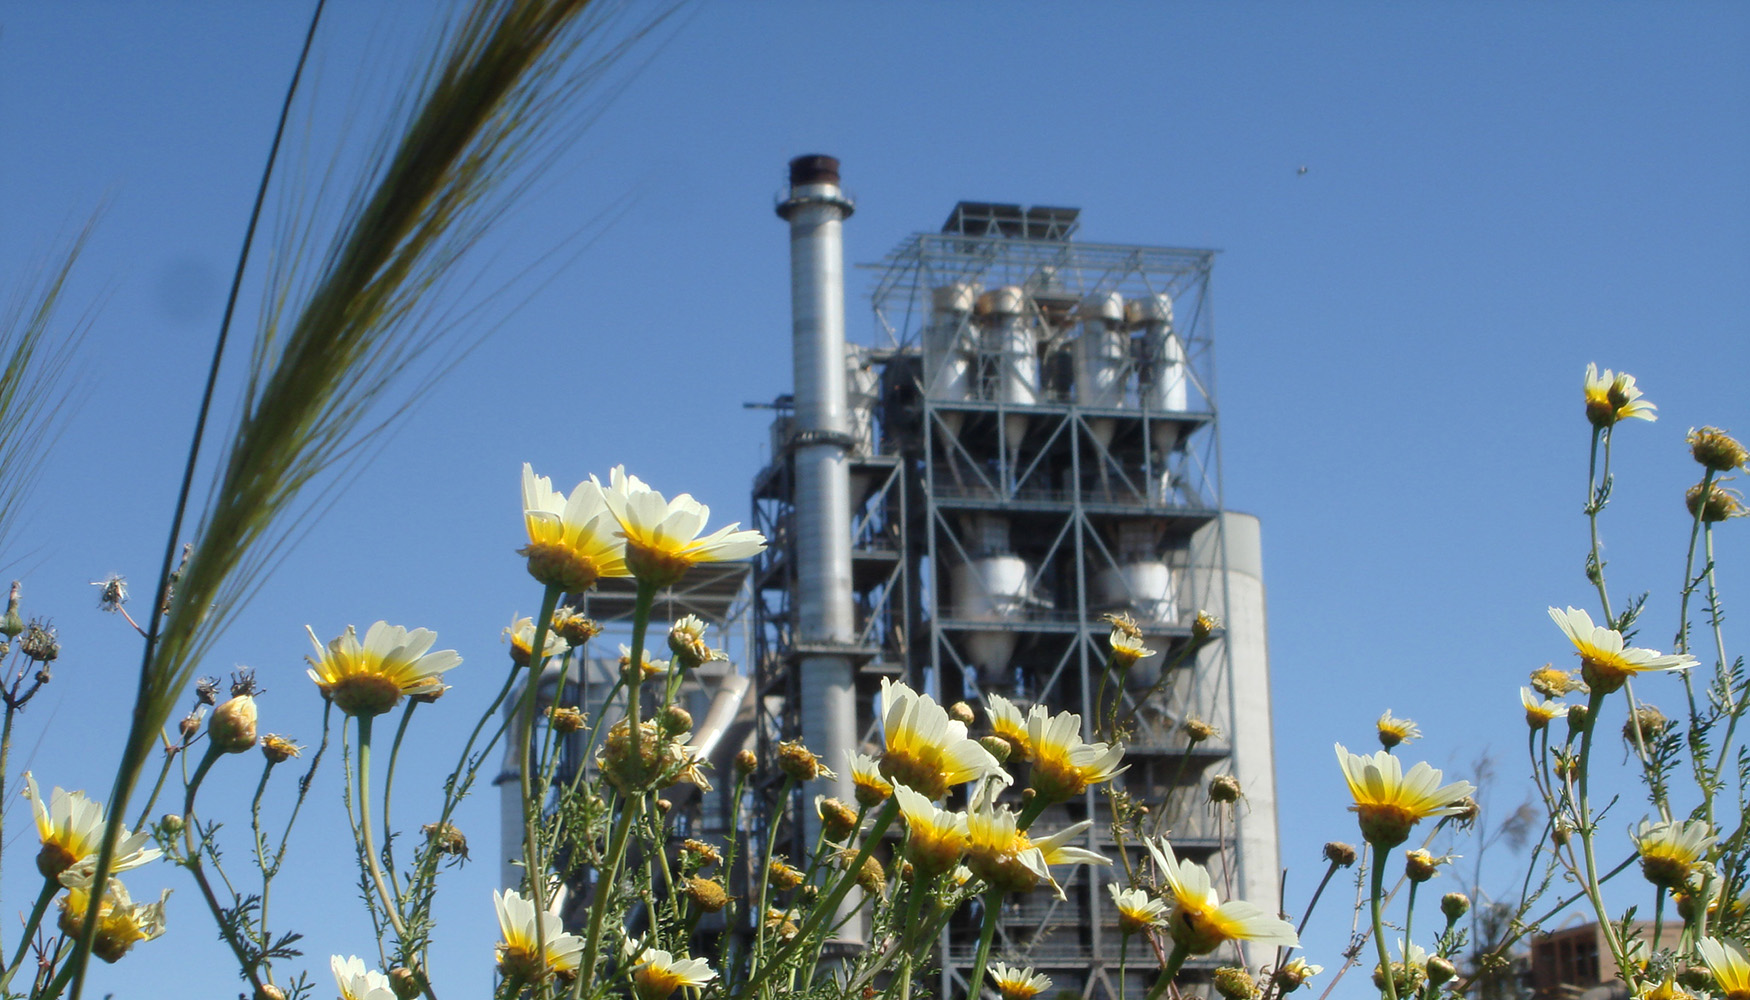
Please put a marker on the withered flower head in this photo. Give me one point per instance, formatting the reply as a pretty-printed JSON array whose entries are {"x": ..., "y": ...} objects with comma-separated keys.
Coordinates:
[
  {"x": 279, "y": 749},
  {"x": 706, "y": 854},
  {"x": 206, "y": 691},
  {"x": 686, "y": 639},
  {"x": 446, "y": 839},
  {"x": 1203, "y": 626},
  {"x": 1224, "y": 789},
  {"x": 746, "y": 763},
  {"x": 1340, "y": 854},
  {"x": 838, "y": 820},
  {"x": 566, "y": 718},
  {"x": 706, "y": 893},
  {"x": 782, "y": 876},
  {"x": 1716, "y": 449},
  {"x": 799, "y": 763},
  {"x": 576, "y": 629},
  {"x": 1721, "y": 503},
  {"x": 1196, "y": 730},
  {"x": 40, "y": 643},
  {"x": 1652, "y": 724}
]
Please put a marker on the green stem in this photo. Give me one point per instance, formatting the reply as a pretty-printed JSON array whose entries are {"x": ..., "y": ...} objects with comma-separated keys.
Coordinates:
[
  {"x": 193, "y": 862},
  {"x": 1689, "y": 580},
  {"x": 635, "y": 674},
  {"x": 1175, "y": 961},
  {"x": 1123, "y": 954},
  {"x": 391, "y": 905},
  {"x": 829, "y": 905},
  {"x": 764, "y": 874},
  {"x": 1584, "y": 766},
  {"x": 1596, "y": 492},
  {"x": 605, "y": 891},
  {"x": 1391, "y": 985},
  {"x": 389, "y": 792},
  {"x": 50, "y": 888},
  {"x": 993, "y": 903},
  {"x": 534, "y": 866},
  {"x": 158, "y": 788}
]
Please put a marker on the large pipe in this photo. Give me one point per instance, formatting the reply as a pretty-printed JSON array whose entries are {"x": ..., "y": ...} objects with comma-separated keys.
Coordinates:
[{"x": 816, "y": 209}]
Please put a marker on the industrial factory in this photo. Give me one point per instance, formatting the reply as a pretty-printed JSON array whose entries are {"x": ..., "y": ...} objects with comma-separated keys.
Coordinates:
[{"x": 1021, "y": 438}]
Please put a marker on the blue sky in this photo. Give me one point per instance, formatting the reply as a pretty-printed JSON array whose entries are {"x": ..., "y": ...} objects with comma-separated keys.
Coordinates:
[{"x": 1495, "y": 196}]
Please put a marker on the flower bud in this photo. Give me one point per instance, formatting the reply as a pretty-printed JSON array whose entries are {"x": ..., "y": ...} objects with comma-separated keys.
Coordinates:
[
  {"x": 1716, "y": 449},
  {"x": 1224, "y": 788},
  {"x": 1454, "y": 905},
  {"x": 1234, "y": 983},
  {"x": 171, "y": 823},
  {"x": 1340, "y": 854},
  {"x": 675, "y": 720},
  {"x": 1440, "y": 970},
  {"x": 745, "y": 763},
  {"x": 190, "y": 726},
  {"x": 232, "y": 726},
  {"x": 1577, "y": 716},
  {"x": 962, "y": 713},
  {"x": 998, "y": 747},
  {"x": 11, "y": 625},
  {"x": 405, "y": 983},
  {"x": 268, "y": 991},
  {"x": 838, "y": 820},
  {"x": 663, "y": 806}
]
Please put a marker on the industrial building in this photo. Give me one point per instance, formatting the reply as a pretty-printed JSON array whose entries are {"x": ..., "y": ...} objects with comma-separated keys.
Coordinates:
[{"x": 1025, "y": 439}]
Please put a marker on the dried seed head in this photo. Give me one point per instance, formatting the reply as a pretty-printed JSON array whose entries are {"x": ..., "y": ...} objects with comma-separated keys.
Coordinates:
[
  {"x": 566, "y": 719},
  {"x": 870, "y": 876},
  {"x": 446, "y": 839},
  {"x": 783, "y": 877},
  {"x": 706, "y": 893},
  {"x": 243, "y": 682},
  {"x": 706, "y": 854},
  {"x": 40, "y": 643},
  {"x": 1720, "y": 505},
  {"x": 1340, "y": 854},
  {"x": 113, "y": 593},
  {"x": 206, "y": 691},
  {"x": 798, "y": 762},
  {"x": 1196, "y": 730},
  {"x": 1716, "y": 449},
  {"x": 1420, "y": 866},
  {"x": 279, "y": 749},
  {"x": 574, "y": 628},
  {"x": 1224, "y": 789},
  {"x": 1652, "y": 724}
]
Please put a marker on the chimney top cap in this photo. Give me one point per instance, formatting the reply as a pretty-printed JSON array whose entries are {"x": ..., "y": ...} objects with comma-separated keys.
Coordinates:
[{"x": 815, "y": 168}]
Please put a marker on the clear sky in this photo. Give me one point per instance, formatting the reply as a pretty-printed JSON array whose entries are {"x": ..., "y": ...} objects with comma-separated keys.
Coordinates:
[{"x": 1494, "y": 196}]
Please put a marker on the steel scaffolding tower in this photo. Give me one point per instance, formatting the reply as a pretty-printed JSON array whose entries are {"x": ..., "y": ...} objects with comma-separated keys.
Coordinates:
[{"x": 1034, "y": 444}]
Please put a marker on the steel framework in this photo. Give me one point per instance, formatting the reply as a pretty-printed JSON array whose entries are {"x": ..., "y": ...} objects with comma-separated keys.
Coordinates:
[{"x": 1078, "y": 488}]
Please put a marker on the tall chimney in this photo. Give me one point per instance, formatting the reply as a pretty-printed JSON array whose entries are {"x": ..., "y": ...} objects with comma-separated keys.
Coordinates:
[{"x": 816, "y": 209}]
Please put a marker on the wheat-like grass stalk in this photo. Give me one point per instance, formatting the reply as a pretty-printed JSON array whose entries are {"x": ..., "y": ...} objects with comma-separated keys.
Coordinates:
[
  {"x": 344, "y": 327},
  {"x": 37, "y": 353}
]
